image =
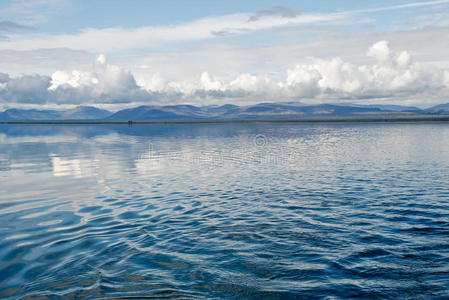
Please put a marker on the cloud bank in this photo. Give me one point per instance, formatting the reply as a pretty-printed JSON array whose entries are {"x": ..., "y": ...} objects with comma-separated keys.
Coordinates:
[{"x": 391, "y": 75}]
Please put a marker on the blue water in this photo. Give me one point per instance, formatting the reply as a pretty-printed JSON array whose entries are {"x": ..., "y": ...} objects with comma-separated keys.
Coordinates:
[{"x": 274, "y": 211}]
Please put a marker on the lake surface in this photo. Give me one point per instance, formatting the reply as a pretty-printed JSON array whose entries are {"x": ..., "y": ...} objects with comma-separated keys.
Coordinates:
[{"x": 224, "y": 211}]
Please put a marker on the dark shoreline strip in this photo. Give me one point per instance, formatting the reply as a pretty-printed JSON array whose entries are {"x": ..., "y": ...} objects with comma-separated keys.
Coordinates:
[{"x": 407, "y": 120}]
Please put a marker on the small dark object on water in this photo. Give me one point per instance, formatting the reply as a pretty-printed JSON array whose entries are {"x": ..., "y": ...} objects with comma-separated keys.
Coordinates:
[{"x": 130, "y": 123}]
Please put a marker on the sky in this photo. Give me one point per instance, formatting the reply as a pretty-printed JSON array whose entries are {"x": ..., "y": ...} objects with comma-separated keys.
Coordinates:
[{"x": 117, "y": 54}]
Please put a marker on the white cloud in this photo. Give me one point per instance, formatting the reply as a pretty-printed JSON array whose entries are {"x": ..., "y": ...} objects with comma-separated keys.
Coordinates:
[
  {"x": 43, "y": 61},
  {"x": 31, "y": 12},
  {"x": 380, "y": 51},
  {"x": 181, "y": 61},
  {"x": 105, "y": 83},
  {"x": 25, "y": 89},
  {"x": 153, "y": 83},
  {"x": 446, "y": 78},
  {"x": 247, "y": 82},
  {"x": 403, "y": 59},
  {"x": 402, "y": 6},
  {"x": 118, "y": 38},
  {"x": 393, "y": 75},
  {"x": 101, "y": 60},
  {"x": 303, "y": 80},
  {"x": 74, "y": 79},
  {"x": 209, "y": 84}
]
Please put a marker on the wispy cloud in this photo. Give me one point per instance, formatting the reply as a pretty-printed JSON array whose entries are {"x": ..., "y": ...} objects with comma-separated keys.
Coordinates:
[
  {"x": 32, "y": 12},
  {"x": 9, "y": 26},
  {"x": 285, "y": 12},
  {"x": 118, "y": 38},
  {"x": 402, "y": 6}
]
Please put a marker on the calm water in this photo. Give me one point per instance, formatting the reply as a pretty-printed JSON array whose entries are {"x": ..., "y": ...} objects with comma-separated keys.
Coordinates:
[{"x": 225, "y": 211}]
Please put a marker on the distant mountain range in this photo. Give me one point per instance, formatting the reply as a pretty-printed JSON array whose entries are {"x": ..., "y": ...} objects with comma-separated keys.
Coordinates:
[
  {"x": 264, "y": 111},
  {"x": 441, "y": 108},
  {"x": 77, "y": 113}
]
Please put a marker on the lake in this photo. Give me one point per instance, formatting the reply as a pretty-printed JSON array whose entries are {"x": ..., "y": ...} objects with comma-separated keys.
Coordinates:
[{"x": 225, "y": 211}]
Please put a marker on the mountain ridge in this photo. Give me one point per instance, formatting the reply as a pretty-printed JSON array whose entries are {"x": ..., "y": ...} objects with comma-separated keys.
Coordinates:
[
  {"x": 77, "y": 113},
  {"x": 227, "y": 112}
]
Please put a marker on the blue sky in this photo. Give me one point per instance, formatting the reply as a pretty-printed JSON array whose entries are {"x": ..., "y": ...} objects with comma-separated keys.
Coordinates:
[
  {"x": 65, "y": 16},
  {"x": 124, "y": 53}
]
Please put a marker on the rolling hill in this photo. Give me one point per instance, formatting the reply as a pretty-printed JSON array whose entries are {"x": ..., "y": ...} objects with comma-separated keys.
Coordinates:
[{"x": 292, "y": 111}]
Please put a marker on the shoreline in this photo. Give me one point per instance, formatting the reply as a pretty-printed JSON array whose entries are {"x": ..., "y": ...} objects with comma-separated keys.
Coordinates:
[{"x": 304, "y": 121}]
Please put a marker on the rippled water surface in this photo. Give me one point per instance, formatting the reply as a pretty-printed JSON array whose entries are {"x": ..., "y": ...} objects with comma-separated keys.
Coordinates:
[{"x": 224, "y": 211}]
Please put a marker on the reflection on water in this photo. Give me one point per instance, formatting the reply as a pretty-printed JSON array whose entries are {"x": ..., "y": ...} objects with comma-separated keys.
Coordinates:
[{"x": 227, "y": 211}]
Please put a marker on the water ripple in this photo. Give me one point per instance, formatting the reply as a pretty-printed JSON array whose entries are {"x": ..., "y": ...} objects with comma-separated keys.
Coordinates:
[{"x": 226, "y": 211}]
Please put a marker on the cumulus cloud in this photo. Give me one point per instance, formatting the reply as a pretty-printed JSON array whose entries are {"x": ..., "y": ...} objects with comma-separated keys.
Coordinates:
[
  {"x": 380, "y": 51},
  {"x": 302, "y": 81},
  {"x": 209, "y": 84},
  {"x": 391, "y": 75},
  {"x": 24, "y": 89},
  {"x": 104, "y": 84}
]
